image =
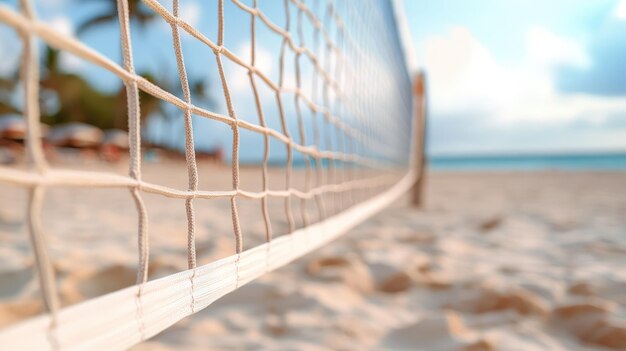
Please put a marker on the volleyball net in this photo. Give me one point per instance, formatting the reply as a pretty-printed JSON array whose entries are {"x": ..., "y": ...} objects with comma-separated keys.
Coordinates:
[{"x": 343, "y": 112}]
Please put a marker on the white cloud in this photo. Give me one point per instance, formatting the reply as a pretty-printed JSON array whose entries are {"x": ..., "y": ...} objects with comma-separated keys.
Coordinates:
[
  {"x": 190, "y": 12},
  {"x": 71, "y": 63},
  {"x": 63, "y": 25},
  {"x": 68, "y": 62},
  {"x": 465, "y": 78},
  {"x": 238, "y": 79},
  {"x": 10, "y": 48},
  {"x": 548, "y": 49},
  {"x": 620, "y": 10}
]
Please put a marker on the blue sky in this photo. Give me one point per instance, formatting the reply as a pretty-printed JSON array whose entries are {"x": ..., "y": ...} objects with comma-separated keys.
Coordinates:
[
  {"x": 523, "y": 75},
  {"x": 505, "y": 76}
]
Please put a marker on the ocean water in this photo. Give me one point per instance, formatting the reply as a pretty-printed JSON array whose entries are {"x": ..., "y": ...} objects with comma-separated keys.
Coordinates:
[{"x": 604, "y": 161}]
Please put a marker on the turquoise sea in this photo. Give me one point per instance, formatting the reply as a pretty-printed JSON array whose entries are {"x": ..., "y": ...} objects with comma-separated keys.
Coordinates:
[
  {"x": 502, "y": 162},
  {"x": 583, "y": 161}
]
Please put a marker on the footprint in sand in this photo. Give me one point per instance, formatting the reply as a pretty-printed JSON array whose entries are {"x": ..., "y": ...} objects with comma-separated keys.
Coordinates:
[
  {"x": 13, "y": 283},
  {"x": 418, "y": 238},
  {"x": 479, "y": 345},
  {"x": 582, "y": 289},
  {"x": 488, "y": 299},
  {"x": 210, "y": 250},
  {"x": 425, "y": 274},
  {"x": 445, "y": 332},
  {"x": 392, "y": 280},
  {"x": 389, "y": 279},
  {"x": 86, "y": 284},
  {"x": 433, "y": 281},
  {"x": 592, "y": 323},
  {"x": 350, "y": 270},
  {"x": 16, "y": 311},
  {"x": 83, "y": 285},
  {"x": 276, "y": 325},
  {"x": 490, "y": 224},
  {"x": 397, "y": 283}
]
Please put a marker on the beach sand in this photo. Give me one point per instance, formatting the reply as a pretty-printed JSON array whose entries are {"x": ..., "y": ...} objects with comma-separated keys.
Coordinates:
[{"x": 494, "y": 261}]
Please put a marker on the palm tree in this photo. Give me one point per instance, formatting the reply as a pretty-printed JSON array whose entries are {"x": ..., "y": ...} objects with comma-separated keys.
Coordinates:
[
  {"x": 142, "y": 16},
  {"x": 78, "y": 100},
  {"x": 199, "y": 89},
  {"x": 139, "y": 14},
  {"x": 7, "y": 86}
]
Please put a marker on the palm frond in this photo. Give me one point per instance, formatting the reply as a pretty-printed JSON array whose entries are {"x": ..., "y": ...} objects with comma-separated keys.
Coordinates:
[{"x": 96, "y": 21}]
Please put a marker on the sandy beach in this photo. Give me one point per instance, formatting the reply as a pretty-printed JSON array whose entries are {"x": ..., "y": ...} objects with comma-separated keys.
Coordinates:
[{"x": 495, "y": 261}]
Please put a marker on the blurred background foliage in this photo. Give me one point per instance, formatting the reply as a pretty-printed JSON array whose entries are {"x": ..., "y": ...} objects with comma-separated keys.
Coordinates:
[{"x": 69, "y": 97}]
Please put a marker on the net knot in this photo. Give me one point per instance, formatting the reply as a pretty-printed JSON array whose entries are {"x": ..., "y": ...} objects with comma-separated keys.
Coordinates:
[
  {"x": 132, "y": 78},
  {"x": 218, "y": 50}
]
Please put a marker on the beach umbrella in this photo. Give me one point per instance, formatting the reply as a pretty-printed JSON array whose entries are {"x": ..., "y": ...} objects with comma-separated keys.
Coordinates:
[
  {"x": 115, "y": 137},
  {"x": 77, "y": 135},
  {"x": 13, "y": 127},
  {"x": 115, "y": 141}
]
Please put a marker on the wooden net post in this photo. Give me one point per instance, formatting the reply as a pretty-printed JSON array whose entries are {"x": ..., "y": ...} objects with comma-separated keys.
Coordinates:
[{"x": 419, "y": 93}]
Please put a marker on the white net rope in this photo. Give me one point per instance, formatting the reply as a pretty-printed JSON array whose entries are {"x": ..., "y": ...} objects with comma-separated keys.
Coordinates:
[{"x": 353, "y": 132}]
